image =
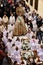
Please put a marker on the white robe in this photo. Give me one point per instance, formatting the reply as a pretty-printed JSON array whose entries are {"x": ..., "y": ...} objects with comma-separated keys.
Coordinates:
[
  {"x": 34, "y": 44},
  {"x": 34, "y": 25},
  {"x": 5, "y": 32},
  {"x": 5, "y": 19},
  {"x": 12, "y": 49},
  {"x": 40, "y": 54},
  {"x": 17, "y": 56},
  {"x": 5, "y": 40},
  {"x": 29, "y": 35},
  {"x": 9, "y": 47},
  {"x": 18, "y": 44},
  {"x": 12, "y": 20},
  {"x": 10, "y": 27},
  {"x": 10, "y": 30}
]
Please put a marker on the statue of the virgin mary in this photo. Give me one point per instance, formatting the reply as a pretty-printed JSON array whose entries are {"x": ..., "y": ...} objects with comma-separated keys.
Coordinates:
[{"x": 19, "y": 28}]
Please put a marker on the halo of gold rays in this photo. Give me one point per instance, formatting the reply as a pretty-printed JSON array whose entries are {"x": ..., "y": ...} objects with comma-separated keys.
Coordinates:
[{"x": 19, "y": 11}]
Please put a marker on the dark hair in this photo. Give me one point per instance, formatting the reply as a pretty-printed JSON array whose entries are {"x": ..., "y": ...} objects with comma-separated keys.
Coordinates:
[
  {"x": 17, "y": 48},
  {"x": 33, "y": 36},
  {"x": 15, "y": 62},
  {"x": 18, "y": 39},
  {"x": 13, "y": 45}
]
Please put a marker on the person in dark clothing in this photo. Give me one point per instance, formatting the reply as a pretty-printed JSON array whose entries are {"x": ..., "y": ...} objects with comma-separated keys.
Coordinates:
[
  {"x": 2, "y": 55},
  {"x": 6, "y": 60},
  {"x": 2, "y": 45},
  {"x": 29, "y": 23},
  {"x": 39, "y": 35},
  {"x": 39, "y": 21}
]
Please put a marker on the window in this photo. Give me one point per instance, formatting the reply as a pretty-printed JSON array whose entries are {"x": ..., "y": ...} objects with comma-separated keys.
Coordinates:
[
  {"x": 27, "y": 0},
  {"x": 31, "y": 2},
  {"x": 36, "y": 4}
]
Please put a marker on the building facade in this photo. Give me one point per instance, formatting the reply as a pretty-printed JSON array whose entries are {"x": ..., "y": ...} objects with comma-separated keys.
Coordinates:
[{"x": 37, "y": 5}]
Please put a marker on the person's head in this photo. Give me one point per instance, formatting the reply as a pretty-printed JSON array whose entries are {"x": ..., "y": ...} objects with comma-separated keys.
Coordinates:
[
  {"x": 17, "y": 39},
  {"x": 33, "y": 36},
  {"x": 39, "y": 29},
  {"x": 4, "y": 14},
  {"x": 31, "y": 59},
  {"x": 29, "y": 30},
  {"x": 12, "y": 14},
  {"x": 15, "y": 63},
  {"x": 41, "y": 46},
  {"x": 13, "y": 45},
  {"x": 12, "y": 3},
  {"x": 9, "y": 40},
  {"x": 20, "y": 5},
  {"x": 30, "y": 14},
  {"x": 37, "y": 15},
  {"x": 33, "y": 11},
  {"x": 16, "y": 48}
]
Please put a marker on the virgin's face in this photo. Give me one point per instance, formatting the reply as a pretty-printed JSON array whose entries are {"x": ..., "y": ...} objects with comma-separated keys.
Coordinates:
[{"x": 19, "y": 13}]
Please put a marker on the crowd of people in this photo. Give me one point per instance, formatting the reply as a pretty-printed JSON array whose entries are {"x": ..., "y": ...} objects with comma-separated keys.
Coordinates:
[{"x": 16, "y": 21}]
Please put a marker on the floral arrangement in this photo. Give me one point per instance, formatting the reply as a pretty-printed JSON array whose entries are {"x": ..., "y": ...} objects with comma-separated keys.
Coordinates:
[
  {"x": 26, "y": 45},
  {"x": 28, "y": 54}
]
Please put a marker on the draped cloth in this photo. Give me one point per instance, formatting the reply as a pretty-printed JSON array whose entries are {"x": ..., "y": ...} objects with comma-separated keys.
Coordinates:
[{"x": 19, "y": 28}]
